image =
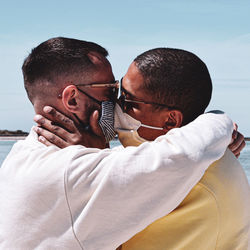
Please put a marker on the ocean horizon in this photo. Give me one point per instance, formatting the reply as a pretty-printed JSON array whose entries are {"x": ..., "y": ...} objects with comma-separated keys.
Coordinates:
[{"x": 6, "y": 145}]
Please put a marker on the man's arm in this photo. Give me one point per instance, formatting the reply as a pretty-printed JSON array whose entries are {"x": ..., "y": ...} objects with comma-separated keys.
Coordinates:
[
  {"x": 114, "y": 194},
  {"x": 63, "y": 132}
]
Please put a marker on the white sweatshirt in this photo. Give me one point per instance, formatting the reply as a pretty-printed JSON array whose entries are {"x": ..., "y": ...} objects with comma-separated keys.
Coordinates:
[{"x": 92, "y": 199}]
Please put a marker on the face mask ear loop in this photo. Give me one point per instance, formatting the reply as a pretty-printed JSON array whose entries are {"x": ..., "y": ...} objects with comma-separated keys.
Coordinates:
[
  {"x": 91, "y": 97},
  {"x": 151, "y": 127}
]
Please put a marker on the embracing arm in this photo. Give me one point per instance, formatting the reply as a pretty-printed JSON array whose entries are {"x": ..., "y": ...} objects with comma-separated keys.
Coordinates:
[
  {"x": 124, "y": 191},
  {"x": 57, "y": 129}
]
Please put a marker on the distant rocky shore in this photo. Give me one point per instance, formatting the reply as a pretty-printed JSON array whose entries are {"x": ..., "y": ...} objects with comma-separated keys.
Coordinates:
[
  {"x": 8, "y": 135},
  {"x": 13, "y": 133}
]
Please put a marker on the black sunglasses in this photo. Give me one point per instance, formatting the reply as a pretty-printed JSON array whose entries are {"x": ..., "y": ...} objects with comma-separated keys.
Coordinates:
[
  {"x": 112, "y": 85},
  {"x": 124, "y": 101}
]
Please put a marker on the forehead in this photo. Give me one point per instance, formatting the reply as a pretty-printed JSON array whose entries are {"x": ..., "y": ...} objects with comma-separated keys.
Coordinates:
[
  {"x": 133, "y": 82},
  {"x": 101, "y": 74}
]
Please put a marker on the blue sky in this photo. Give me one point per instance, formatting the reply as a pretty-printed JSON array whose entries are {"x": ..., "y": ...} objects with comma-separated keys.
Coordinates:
[{"x": 217, "y": 31}]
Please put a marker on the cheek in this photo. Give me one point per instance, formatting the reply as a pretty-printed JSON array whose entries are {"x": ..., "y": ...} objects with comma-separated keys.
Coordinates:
[
  {"x": 143, "y": 114},
  {"x": 149, "y": 134},
  {"x": 86, "y": 108},
  {"x": 136, "y": 113}
]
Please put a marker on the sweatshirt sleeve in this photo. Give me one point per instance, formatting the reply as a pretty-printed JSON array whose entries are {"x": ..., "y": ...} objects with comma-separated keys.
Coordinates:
[{"x": 112, "y": 195}]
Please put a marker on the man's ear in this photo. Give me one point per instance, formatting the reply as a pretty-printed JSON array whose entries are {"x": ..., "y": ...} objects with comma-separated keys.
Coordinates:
[
  {"x": 174, "y": 119},
  {"x": 70, "y": 98}
]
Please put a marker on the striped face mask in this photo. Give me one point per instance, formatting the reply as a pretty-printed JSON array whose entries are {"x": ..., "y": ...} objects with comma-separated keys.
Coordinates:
[{"x": 106, "y": 120}]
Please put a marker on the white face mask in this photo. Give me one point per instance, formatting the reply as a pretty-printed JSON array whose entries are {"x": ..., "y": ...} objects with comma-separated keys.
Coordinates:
[{"x": 126, "y": 127}]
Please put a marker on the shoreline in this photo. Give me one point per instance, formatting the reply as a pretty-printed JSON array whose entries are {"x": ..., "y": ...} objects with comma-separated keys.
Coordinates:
[
  {"x": 12, "y": 137},
  {"x": 22, "y": 137}
]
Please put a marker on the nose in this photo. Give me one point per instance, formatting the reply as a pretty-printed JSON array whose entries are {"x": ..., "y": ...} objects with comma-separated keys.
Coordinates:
[{"x": 125, "y": 106}]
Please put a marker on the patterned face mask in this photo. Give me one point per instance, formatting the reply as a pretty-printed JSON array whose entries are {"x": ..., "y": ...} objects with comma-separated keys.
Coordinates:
[{"x": 106, "y": 120}]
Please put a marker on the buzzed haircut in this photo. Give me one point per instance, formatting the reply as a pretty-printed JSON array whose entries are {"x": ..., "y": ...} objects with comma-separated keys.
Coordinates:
[
  {"x": 58, "y": 57},
  {"x": 176, "y": 78}
]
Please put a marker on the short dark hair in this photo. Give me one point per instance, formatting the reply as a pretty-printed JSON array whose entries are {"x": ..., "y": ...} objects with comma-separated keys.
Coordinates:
[
  {"x": 177, "y": 78},
  {"x": 58, "y": 57}
]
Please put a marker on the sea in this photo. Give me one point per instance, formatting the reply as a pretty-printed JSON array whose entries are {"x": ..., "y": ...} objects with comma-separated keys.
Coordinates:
[{"x": 5, "y": 147}]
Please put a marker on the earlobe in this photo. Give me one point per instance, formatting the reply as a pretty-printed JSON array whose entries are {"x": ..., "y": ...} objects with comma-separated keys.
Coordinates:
[{"x": 69, "y": 98}]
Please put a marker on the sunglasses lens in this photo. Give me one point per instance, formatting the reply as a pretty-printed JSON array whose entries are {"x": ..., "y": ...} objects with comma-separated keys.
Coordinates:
[
  {"x": 121, "y": 96},
  {"x": 122, "y": 101}
]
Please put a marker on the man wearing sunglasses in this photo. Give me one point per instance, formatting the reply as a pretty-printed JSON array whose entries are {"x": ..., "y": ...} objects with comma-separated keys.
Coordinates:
[
  {"x": 82, "y": 197},
  {"x": 215, "y": 214}
]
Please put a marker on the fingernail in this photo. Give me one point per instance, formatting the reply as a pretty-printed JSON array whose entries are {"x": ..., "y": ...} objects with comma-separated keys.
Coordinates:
[
  {"x": 37, "y": 129},
  {"x": 41, "y": 138},
  {"x": 47, "y": 109},
  {"x": 37, "y": 118}
]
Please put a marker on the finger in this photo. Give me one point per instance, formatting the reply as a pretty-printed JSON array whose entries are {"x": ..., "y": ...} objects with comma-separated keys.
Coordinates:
[
  {"x": 236, "y": 142},
  {"x": 59, "y": 118},
  {"x": 50, "y": 138},
  {"x": 235, "y": 132},
  {"x": 94, "y": 124},
  {"x": 239, "y": 149},
  {"x": 48, "y": 125},
  {"x": 237, "y": 156},
  {"x": 234, "y": 135},
  {"x": 235, "y": 126},
  {"x": 44, "y": 141}
]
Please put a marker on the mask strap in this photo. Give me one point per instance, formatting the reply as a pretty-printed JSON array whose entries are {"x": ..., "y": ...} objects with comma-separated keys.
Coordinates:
[
  {"x": 152, "y": 127},
  {"x": 91, "y": 97}
]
